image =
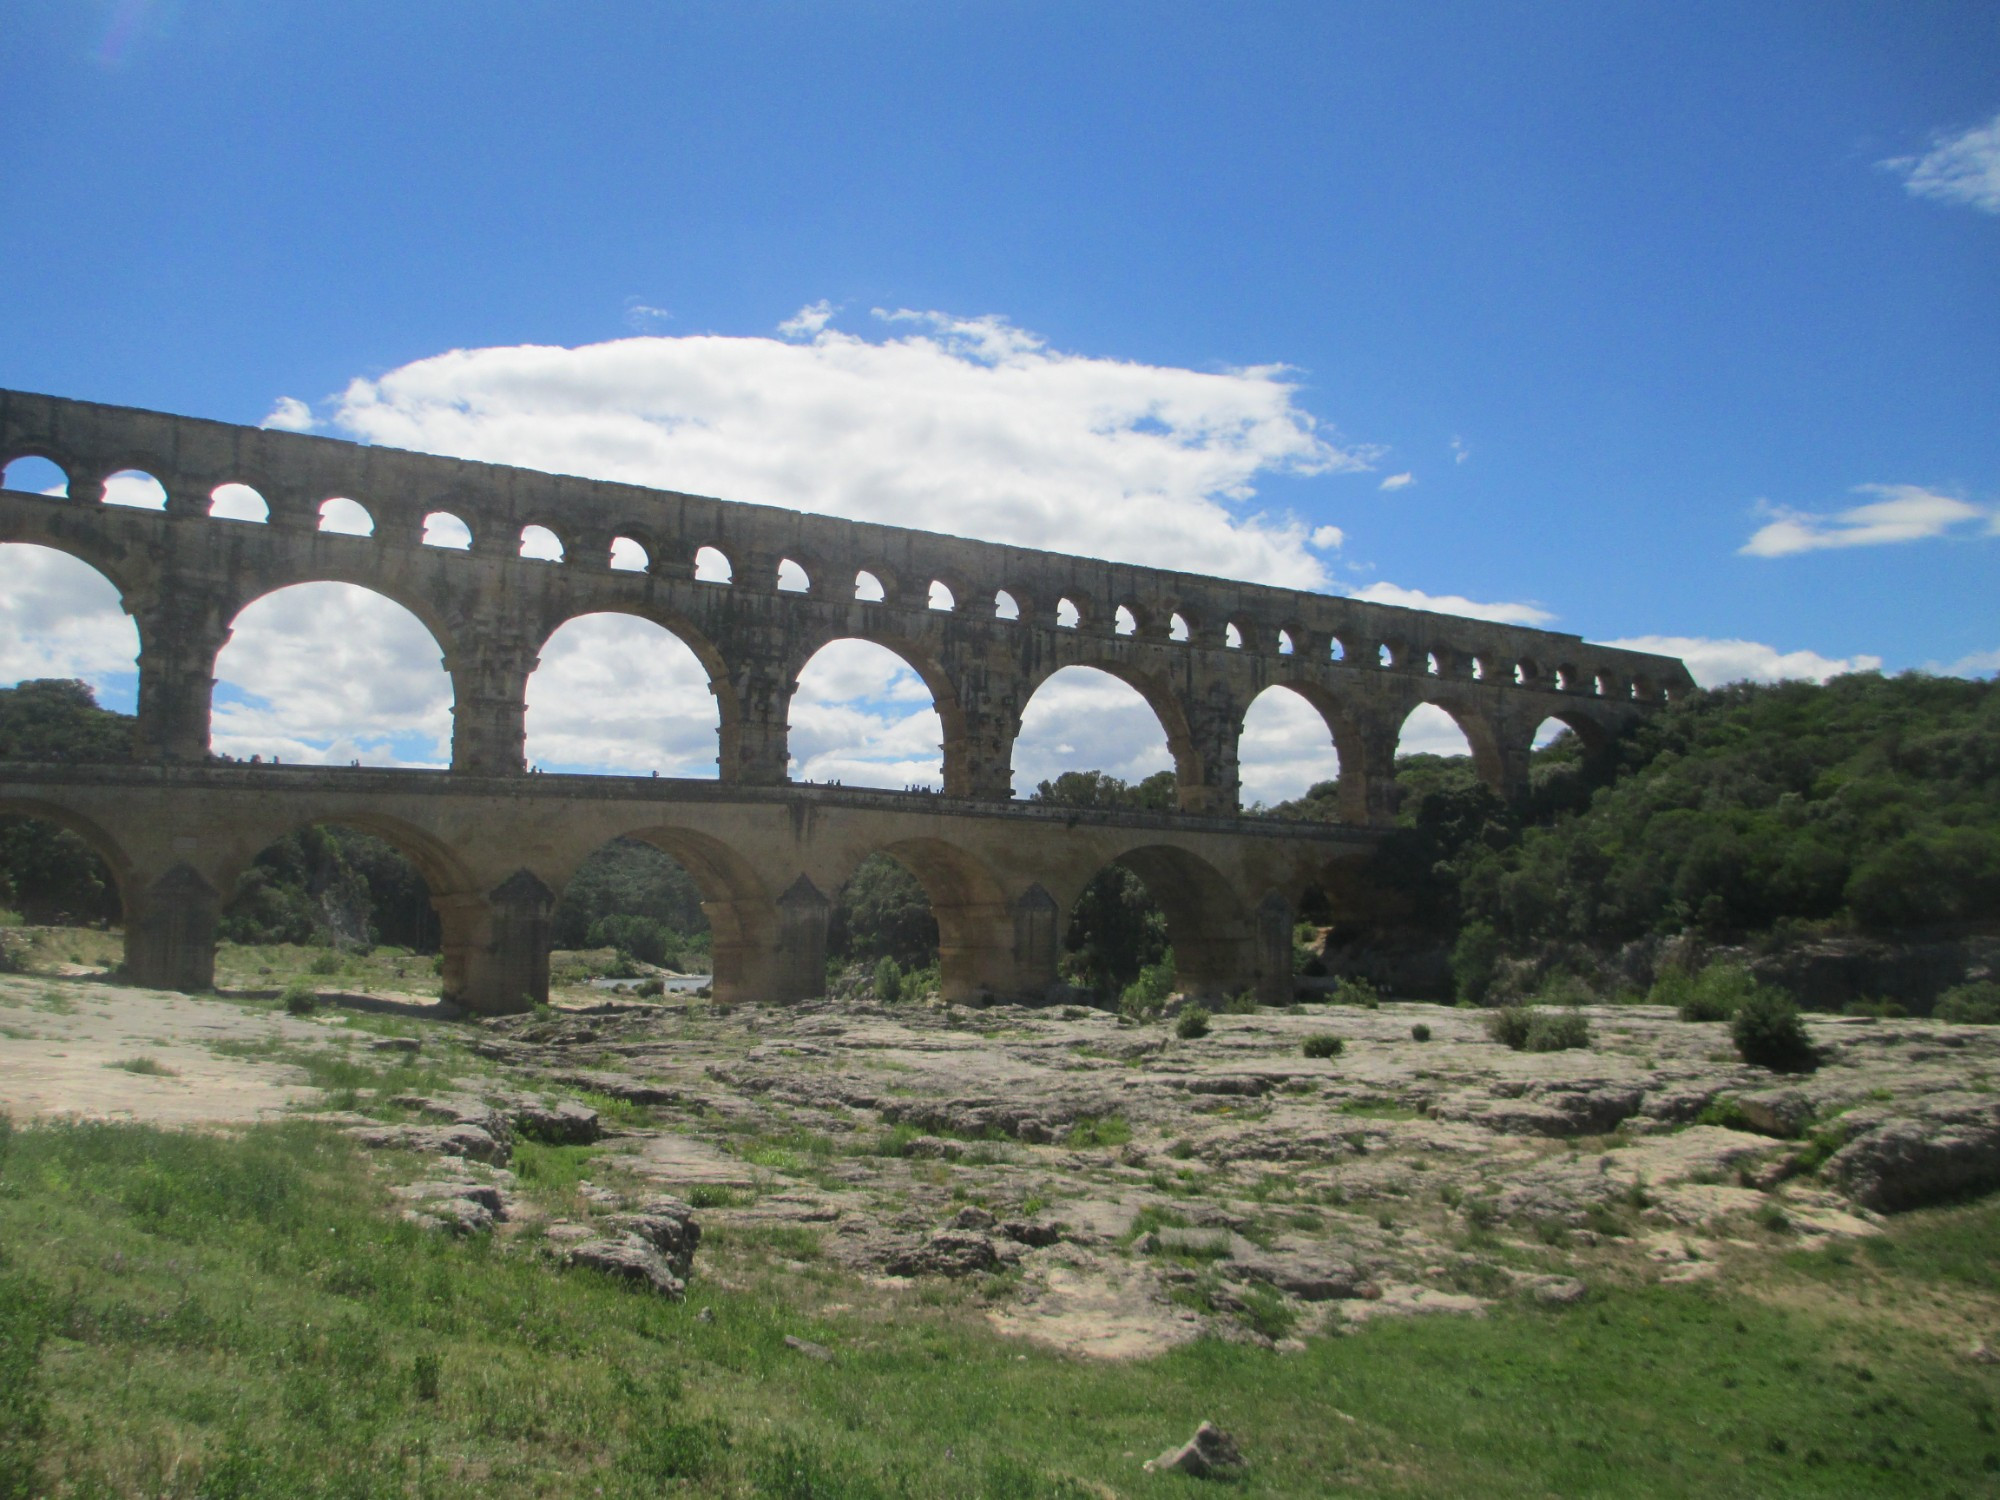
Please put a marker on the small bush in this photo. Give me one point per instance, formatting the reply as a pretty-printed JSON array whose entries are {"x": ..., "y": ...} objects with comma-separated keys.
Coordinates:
[
  {"x": 1322, "y": 1045},
  {"x": 1420, "y": 1032},
  {"x": 1475, "y": 958},
  {"x": 1193, "y": 1023},
  {"x": 425, "y": 1375},
  {"x": 1509, "y": 1026},
  {"x": 888, "y": 981},
  {"x": 651, "y": 987},
  {"x": 326, "y": 961},
  {"x": 1355, "y": 992},
  {"x": 1144, "y": 996},
  {"x": 1557, "y": 1031},
  {"x": 299, "y": 998},
  {"x": 1715, "y": 994},
  {"x": 1975, "y": 1004},
  {"x": 1098, "y": 1130},
  {"x": 1769, "y": 1034}
]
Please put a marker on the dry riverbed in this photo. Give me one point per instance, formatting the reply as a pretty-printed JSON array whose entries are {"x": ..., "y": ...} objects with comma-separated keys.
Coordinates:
[{"x": 1110, "y": 1189}]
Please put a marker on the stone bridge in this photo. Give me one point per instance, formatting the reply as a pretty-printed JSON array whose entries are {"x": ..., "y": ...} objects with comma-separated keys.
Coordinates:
[{"x": 755, "y": 592}]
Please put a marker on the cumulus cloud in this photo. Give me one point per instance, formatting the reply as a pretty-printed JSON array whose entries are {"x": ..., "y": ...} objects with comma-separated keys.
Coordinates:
[
  {"x": 1397, "y": 481},
  {"x": 1081, "y": 719},
  {"x": 61, "y": 618},
  {"x": 290, "y": 415},
  {"x": 1715, "y": 662},
  {"x": 966, "y": 425},
  {"x": 1455, "y": 604},
  {"x": 1328, "y": 538},
  {"x": 323, "y": 673},
  {"x": 862, "y": 717},
  {"x": 1960, "y": 168},
  {"x": 617, "y": 693},
  {"x": 1977, "y": 664},
  {"x": 1900, "y": 513}
]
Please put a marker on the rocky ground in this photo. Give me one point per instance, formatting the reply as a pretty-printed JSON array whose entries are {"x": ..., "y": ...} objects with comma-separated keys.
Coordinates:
[{"x": 1113, "y": 1188}]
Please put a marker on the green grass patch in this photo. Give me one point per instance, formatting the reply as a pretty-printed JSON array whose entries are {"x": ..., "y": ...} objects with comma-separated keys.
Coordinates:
[
  {"x": 145, "y": 1067},
  {"x": 206, "y": 1316},
  {"x": 1098, "y": 1130}
]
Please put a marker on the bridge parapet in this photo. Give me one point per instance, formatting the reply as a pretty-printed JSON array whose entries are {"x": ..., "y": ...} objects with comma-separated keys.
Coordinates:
[{"x": 983, "y": 624}]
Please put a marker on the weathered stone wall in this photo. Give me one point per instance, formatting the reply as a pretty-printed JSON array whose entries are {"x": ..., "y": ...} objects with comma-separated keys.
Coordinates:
[
  {"x": 983, "y": 625},
  {"x": 185, "y": 576}
]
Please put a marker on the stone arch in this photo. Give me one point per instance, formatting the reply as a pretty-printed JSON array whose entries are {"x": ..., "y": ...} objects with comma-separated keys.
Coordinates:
[
  {"x": 868, "y": 586},
  {"x": 1276, "y": 759},
  {"x": 628, "y": 555},
  {"x": 136, "y": 488},
  {"x": 1208, "y": 925},
  {"x": 743, "y": 915},
  {"x": 713, "y": 565},
  {"x": 463, "y": 910},
  {"x": 379, "y": 652},
  {"x": 444, "y": 529},
  {"x": 793, "y": 577},
  {"x": 1482, "y": 740},
  {"x": 1006, "y": 606},
  {"x": 1165, "y": 705},
  {"x": 237, "y": 501},
  {"x": 540, "y": 543},
  {"x": 1357, "y": 768},
  {"x": 708, "y": 667},
  {"x": 975, "y": 924},
  {"x": 101, "y": 841},
  {"x": 955, "y": 747},
  {"x": 941, "y": 596},
  {"x": 28, "y": 471},
  {"x": 37, "y": 587},
  {"x": 1124, "y": 622},
  {"x": 341, "y": 516}
]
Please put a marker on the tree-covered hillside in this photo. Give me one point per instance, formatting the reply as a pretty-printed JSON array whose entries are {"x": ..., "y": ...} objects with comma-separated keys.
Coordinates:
[{"x": 1871, "y": 803}]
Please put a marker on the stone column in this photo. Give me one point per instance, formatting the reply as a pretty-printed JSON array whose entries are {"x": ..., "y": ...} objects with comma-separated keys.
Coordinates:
[
  {"x": 170, "y": 931},
  {"x": 755, "y": 749},
  {"x": 505, "y": 967},
  {"x": 1036, "y": 940},
  {"x": 181, "y": 630},
  {"x": 489, "y": 701},
  {"x": 1377, "y": 735},
  {"x": 1215, "y": 724},
  {"x": 800, "y": 969},
  {"x": 1274, "y": 922}
]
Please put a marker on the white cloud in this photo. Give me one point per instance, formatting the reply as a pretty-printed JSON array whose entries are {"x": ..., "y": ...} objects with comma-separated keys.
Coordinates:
[
  {"x": 1455, "y": 604},
  {"x": 809, "y": 321},
  {"x": 863, "y": 718},
  {"x": 1902, "y": 513},
  {"x": 290, "y": 415},
  {"x": 1978, "y": 664},
  {"x": 966, "y": 425},
  {"x": 1286, "y": 748},
  {"x": 1714, "y": 662},
  {"x": 1397, "y": 481},
  {"x": 1081, "y": 719},
  {"x": 617, "y": 693},
  {"x": 1429, "y": 730},
  {"x": 1459, "y": 452},
  {"x": 325, "y": 673},
  {"x": 1963, "y": 168},
  {"x": 1328, "y": 538},
  {"x": 61, "y": 618}
]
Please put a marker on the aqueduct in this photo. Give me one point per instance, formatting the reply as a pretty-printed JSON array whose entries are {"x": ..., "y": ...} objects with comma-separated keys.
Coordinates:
[{"x": 982, "y": 624}]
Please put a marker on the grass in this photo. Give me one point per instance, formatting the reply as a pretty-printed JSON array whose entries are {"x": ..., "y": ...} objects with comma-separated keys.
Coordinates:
[
  {"x": 203, "y": 1315},
  {"x": 146, "y": 1067}
]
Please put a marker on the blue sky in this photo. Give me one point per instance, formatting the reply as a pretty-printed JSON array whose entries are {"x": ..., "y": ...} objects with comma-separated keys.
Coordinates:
[{"x": 1618, "y": 287}]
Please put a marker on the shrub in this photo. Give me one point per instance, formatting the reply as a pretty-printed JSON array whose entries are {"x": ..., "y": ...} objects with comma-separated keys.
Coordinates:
[
  {"x": 1420, "y": 1032},
  {"x": 888, "y": 980},
  {"x": 1322, "y": 1045},
  {"x": 1193, "y": 1023},
  {"x": 1975, "y": 1004},
  {"x": 652, "y": 987},
  {"x": 1145, "y": 995},
  {"x": 1557, "y": 1031},
  {"x": 1769, "y": 1034},
  {"x": 1714, "y": 994},
  {"x": 326, "y": 961},
  {"x": 1355, "y": 992},
  {"x": 1242, "y": 1003},
  {"x": 1509, "y": 1026},
  {"x": 299, "y": 998}
]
